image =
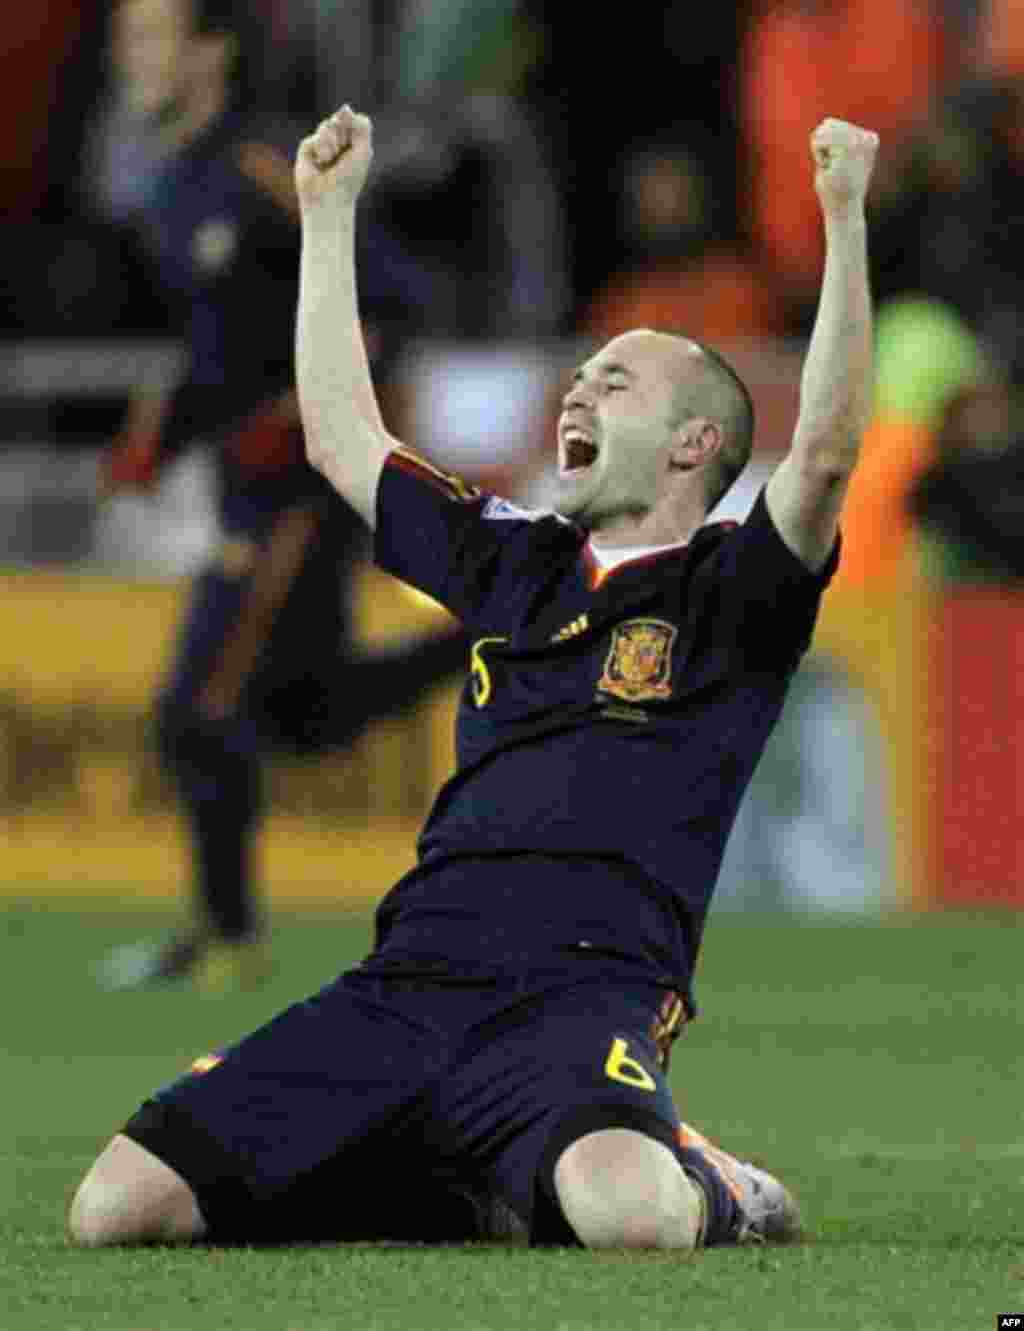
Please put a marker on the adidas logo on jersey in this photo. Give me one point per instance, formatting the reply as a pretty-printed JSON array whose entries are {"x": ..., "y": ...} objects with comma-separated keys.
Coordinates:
[{"x": 573, "y": 630}]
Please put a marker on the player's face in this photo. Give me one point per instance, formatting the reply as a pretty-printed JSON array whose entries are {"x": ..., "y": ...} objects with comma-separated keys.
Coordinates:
[
  {"x": 618, "y": 422},
  {"x": 152, "y": 47}
]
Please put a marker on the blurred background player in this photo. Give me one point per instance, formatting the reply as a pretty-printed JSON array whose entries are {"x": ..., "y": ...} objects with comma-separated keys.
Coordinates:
[{"x": 265, "y": 658}]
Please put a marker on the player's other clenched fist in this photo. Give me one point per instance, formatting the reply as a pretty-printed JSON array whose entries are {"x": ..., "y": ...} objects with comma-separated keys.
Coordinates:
[
  {"x": 333, "y": 162},
  {"x": 844, "y": 157}
]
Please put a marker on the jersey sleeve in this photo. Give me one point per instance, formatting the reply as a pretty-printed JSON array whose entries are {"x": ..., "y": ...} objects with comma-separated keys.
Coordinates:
[
  {"x": 774, "y": 595},
  {"x": 431, "y": 532}
]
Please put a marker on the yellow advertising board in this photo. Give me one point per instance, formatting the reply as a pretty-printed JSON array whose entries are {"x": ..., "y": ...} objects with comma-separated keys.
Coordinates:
[
  {"x": 84, "y": 806},
  {"x": 880, "y": 638}
]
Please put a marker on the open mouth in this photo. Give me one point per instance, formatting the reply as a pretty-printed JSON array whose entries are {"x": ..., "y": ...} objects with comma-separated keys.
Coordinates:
[{"x": 578, "y": 451}]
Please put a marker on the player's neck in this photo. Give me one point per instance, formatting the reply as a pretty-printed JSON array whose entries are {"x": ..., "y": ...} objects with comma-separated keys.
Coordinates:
[{"x": 665, "y": 524}]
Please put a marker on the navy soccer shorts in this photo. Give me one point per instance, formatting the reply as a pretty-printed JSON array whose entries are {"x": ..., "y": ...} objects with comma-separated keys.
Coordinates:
[{"x": 351, "y": 1114}]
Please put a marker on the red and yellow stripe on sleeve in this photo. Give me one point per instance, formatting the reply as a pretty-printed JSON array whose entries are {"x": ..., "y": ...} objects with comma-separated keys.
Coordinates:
[{"x": 452, "y": 486}]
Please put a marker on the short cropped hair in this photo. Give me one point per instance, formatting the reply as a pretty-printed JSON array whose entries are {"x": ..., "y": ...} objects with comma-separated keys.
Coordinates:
[{"x": 721, "y": 395}]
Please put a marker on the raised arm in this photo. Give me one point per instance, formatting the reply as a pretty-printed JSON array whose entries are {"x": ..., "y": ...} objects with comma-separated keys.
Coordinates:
[
  {"x": 345, "y": 435},
  {"x": 806, "y": 492}
]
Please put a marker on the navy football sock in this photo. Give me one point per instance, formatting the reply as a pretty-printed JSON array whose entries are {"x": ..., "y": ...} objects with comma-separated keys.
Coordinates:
[
  {"x": 216, "y": 769},
  {"x": 723, "y": 1216},
  {"x": 221, "y": 849}
]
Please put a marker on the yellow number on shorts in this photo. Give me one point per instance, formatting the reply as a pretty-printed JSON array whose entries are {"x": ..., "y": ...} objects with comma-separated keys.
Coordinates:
[
  {"x": 620, "y": 1067},
  {"x": 478, "y": 668}
]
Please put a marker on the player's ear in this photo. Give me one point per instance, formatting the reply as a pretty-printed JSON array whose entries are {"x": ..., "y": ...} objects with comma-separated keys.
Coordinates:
[{"x": 695, "y": 442}]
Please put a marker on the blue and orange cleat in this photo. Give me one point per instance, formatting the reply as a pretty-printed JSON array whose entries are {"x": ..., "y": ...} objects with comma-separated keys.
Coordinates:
[{"x": 766, "y": 1211}]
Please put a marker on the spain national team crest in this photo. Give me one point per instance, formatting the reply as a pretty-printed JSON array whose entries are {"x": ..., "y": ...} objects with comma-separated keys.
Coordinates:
[{"x": 639, "y": 664}]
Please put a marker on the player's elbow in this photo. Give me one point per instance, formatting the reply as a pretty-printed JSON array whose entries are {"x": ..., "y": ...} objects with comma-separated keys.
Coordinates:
[
  {"x": 827, "y": 458},
  {"x": 317, "y": 453},
  {"x": 317, "y": 458},
  {"x": 315, "y": 429}
]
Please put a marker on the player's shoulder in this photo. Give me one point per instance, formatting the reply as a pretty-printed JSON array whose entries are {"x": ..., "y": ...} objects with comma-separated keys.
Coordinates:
[
  {"x": 712, "y": 534},
  {"x": 491, "y": 510},
  {"x": 536, "y": 540},
  {"x": 709, "y": 557},
  {"x": 448, "y": 485},
  {"x": 710, "y": 540},
  {"x": 262, "y": 150},
  {"x": 728, "y": 535},
  {"x": 497, "y": 509}
]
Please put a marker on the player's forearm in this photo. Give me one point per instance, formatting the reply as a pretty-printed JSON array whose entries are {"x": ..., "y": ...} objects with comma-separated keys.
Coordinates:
[
  {"x": 345, "y": 435},
  {"x": 835, "y": 391}
]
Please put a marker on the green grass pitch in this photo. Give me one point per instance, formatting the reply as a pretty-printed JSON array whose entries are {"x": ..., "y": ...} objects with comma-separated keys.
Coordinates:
[{"x": 878, "y": 1067}]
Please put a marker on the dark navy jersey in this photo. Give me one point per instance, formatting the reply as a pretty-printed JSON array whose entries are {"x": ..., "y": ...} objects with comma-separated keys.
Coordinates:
[
  {"x": 223, "y": 227},
  {"x": 609, "y": 725}
]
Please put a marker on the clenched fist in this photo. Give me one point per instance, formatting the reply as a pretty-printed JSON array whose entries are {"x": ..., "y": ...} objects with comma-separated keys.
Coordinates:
[
  {"x": 844, "y": 157},
  {"x": 333, "y": 162}
]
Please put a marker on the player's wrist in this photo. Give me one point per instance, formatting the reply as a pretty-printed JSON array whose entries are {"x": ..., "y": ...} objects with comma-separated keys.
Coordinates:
[
  {"x": 328, "y": 235},
  {"x": 328, "y": 211},
  {"x": 845, "y": 226},
  {"x": 845, "y": 213}
]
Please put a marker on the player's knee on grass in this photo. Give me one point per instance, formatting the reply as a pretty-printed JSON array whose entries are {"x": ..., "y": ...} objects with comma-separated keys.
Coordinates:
[
  {"x": 621, "y": 1189},
  {"x": 131, "y": 1196}
]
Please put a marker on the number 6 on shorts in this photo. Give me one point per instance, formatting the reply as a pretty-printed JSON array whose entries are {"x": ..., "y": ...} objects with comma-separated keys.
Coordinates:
[{"x": 620, "y": 1067}]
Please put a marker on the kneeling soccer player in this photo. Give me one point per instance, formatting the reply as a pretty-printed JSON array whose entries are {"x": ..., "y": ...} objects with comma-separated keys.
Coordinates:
[{"x": 629, "y": 662}]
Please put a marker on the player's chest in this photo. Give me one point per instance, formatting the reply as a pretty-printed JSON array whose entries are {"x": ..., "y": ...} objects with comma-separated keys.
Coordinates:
[
  {"x": 200, "y": 228},
  {"x": 576, "y": 642}
]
